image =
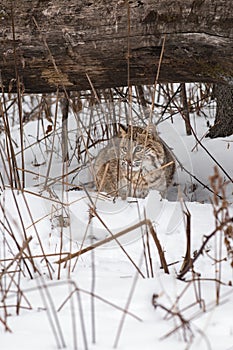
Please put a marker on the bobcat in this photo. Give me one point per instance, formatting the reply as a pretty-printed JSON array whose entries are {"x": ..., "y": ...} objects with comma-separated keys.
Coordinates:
[{"x": 133, "y": 163}]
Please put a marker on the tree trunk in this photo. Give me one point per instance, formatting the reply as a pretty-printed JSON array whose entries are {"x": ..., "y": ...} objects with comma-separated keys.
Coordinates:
[
  {"x": 223, "y": 125},
  {"x": 66, "y": 44}
]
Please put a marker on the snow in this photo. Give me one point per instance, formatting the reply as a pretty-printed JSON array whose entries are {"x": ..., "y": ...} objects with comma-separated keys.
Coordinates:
[{"x": 100, "y": 300}]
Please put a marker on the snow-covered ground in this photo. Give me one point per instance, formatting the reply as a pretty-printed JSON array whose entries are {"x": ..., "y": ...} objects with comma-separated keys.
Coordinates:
[{"x": 117, "y": 295}]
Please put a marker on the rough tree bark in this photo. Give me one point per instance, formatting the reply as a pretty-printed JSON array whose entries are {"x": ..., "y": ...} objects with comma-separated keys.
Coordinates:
[
  {"x": 49, "y": 44},
  {"x": 223, "y": 124}
]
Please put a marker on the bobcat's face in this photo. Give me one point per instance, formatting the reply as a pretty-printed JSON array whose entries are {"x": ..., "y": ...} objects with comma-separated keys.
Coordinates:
[
  {"x": 131, "y": 155},
  {"x": 136, "y": 157}
]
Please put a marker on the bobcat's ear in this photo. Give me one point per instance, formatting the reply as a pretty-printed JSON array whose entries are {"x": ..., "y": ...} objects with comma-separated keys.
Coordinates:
[
  {"x": 152, "y": 131},
  {"x": 122, "y": 130}
]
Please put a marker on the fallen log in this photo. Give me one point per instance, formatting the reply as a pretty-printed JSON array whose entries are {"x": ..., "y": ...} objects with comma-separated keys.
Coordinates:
[{"x": 45, "y": 45}]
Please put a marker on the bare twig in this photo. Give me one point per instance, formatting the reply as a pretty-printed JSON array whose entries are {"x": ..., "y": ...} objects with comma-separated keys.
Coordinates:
[
  {"x": 207, "y": 238},
  {"x": 115, "y": 237},
  {"x": 187, "y": 263},
  {"x": 184, "y": 324}
]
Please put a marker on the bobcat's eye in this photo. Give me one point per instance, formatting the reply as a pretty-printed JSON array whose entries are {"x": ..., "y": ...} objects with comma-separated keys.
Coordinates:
[
  {"x": 124, "y": 149},
  {"x": 138, "y": 148}
]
